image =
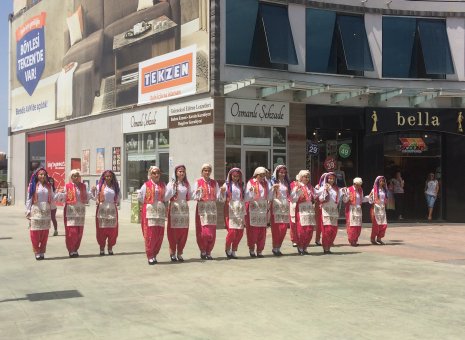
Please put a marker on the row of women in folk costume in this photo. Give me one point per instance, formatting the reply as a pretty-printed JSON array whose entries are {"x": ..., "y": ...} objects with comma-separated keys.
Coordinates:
[
  {"x": 41, "y": 197},
  {"x": 153, "y": 195},
  {"x": 330, "y": 195}
]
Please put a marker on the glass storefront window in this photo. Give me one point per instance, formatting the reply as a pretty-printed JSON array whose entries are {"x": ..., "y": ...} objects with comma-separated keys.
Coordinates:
[
  {"x": 142, "y": 151},
  {"x": 233, "y": 134},
  {"x": 233, "y": 158},
  {"x": 257, "y": 135},
  {"x": 279, "y": 136}
]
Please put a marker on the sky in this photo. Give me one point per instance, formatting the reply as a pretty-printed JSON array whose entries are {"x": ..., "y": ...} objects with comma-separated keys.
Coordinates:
[{"x": 6, "y": 7}]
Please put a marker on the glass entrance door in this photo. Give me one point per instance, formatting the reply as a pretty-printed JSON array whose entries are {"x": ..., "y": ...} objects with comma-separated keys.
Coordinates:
[{"x": 254, "y": 159}]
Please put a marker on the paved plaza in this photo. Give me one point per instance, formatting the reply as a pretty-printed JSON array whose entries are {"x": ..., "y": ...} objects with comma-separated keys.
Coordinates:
[{"x": 411, "y": 288}]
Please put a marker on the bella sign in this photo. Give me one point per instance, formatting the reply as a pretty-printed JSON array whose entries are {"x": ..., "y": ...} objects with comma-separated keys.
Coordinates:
[
  {"x": 256, "y": 112},
  {"x": 381, "y": 120}
]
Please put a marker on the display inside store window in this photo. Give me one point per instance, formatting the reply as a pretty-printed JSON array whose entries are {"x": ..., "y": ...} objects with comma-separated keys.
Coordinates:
[
  {"x": 163, "y": 139},
  {"x": 279, "y": 136},
  {"x": 233, "y": 159}
]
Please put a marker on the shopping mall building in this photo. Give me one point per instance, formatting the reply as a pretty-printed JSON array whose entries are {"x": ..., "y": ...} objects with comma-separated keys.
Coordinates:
[{"x": 364, "y": 88}]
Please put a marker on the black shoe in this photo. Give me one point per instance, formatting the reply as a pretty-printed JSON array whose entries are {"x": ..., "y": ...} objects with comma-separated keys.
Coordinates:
[
  {"x": 180, "y": 259},
  {"x": 209, "y": 257},
  {"x": 279, "y": 253},
  {"x": 260, "y": 256},
  {"x": 38, "y": 257},
  {"x": 300, "y": 252},
  {"x": 318, "y": 243},
  {"x": 234, "y": 257},
  {"x": 374, "y": 242},
  {"x": 229, "y": 256},
  {"x": 110, "y": 252},
  {"x": 102, "y": 252},
  {"x": 152, "y": 262},
  {"x": 294, "y": 244},
  {"x": 203, "y": 256},
  {"x": 252, "y": 254},
  {"x": 327, "y": 252},
  {"x": 173, "y": 258},
  {"x": 380, "y": 242},
  {"x": 275, "y": 252},
  {"x": 305, "y": 252}
]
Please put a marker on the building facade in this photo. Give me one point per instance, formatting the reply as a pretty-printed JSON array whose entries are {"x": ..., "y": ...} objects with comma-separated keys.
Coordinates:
[{"x": 360, "y": 87}]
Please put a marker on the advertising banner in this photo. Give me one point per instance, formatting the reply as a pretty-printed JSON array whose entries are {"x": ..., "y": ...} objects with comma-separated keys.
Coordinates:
[
  {"x": 55, "y": 156},
  {"x": 100, "y": 161},
  {"x": 106, "y": 55},
  {"x": 30, "y": 52},
  {"x": 169, "y": 76}
]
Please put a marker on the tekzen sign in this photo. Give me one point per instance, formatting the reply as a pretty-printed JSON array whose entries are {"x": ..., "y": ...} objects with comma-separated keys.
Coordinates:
[
  {"x": 146, "y": 120},
  {"x": 256, "y": 112},
  {"x": 381, "y": 120}
]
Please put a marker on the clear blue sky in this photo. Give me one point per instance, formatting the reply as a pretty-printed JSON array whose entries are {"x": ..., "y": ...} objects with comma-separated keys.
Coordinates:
[{"x": 6, "y": 7}]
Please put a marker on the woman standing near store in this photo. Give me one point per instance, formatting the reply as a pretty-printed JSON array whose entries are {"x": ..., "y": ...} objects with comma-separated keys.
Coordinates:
[
  {"x": 256, "y": 207},
  {"x": 234, "y": 211},
  {"x": 303, "y": 194},
  {"x": 106, "y": 215},
  {"x": 178, "y": 192},
  {"x": 206, "y": 193},
  {"x": 431, "y": 193},
  {"x": 378, "y": 198},
  {"x": 152, "y": 195},
  {"x": 329, "y": 199},
  {"x": 75, "y": 196},
  {"x": 40, "y": 196},
  {"x": 398, "y": 189},
  {"x": 53, "y": 209},
  {"x": 280, "y": 207}
]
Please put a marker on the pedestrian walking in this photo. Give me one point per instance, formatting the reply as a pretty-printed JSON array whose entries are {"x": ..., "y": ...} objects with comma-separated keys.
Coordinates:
[
  {"x": 280, "y": 207},
  {"x": 378, "y": 199}
]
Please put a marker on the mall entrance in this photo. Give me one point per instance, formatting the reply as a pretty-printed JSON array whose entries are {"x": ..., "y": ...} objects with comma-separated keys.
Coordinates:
[{"x": 415, "y": 155}]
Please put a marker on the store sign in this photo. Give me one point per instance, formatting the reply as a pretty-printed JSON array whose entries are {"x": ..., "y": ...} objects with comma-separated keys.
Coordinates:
[
  {"x": 171, "y": 75},
  {"x": 151, "y": 119},
  {"x": 345, "y": 150},
  {"x": 329, "y": 163},
  {"x": 256, "y": 112},
  {"x": 313, "y": 148},
  {"x": 381, "y": 120},
  {"x": 412, "y": 145},
  {"x": 198, "y": 112}
]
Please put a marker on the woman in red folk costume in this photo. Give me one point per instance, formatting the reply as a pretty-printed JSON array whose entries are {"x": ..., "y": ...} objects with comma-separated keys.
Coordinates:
[
  {"x": 304, "y": 195},
  {"x": 106, "y": 216},
  {"x": 353, "y": 198},
  {"x": 319, "y": 221},
  {"x": 178, "y": 192},
  {"x": 329, "y": 199},
  {"x": 75, "y": 196},
  {"x": 256, "y": 207},
  {"x": 206, "y": 193},
  {"x": 378, "y": 199},
  {"x": 280, "y": 207},
  {"x": 40, "y": 196},
  {"x": 234, "y": 211},
  {"x": 152, "y": 195}
]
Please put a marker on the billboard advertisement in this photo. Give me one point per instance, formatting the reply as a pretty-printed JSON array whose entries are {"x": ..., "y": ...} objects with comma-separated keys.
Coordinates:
[{"x": 75, "y": 58}]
